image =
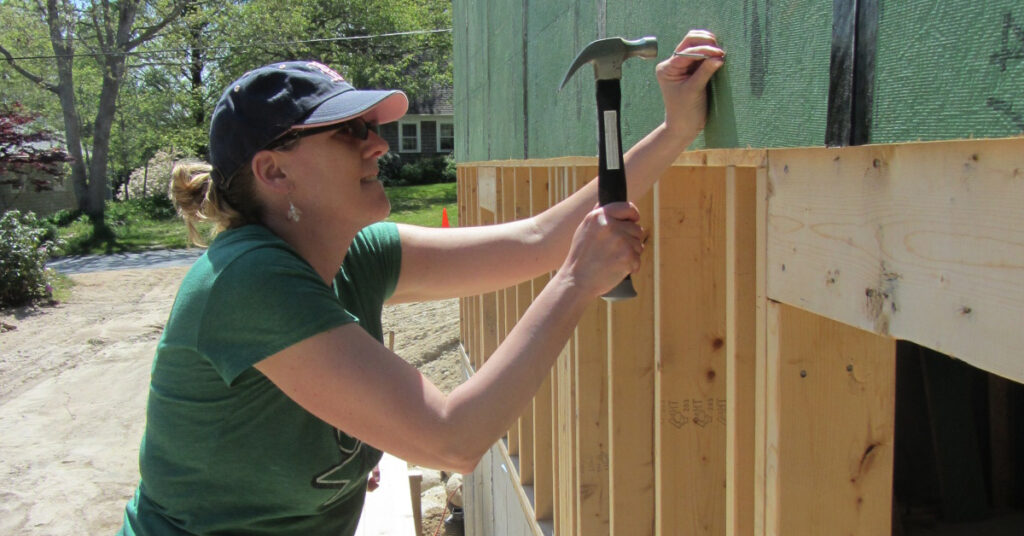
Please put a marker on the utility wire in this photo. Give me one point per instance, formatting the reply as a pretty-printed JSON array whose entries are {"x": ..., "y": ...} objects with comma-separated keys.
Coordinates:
[{"x": 230, "y": 47}]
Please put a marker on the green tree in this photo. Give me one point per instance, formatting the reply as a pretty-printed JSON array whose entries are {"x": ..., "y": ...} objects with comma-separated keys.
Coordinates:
[
  {"x": 373, "y": 43},
  {"x": 170, "y": 81},
  {"x": 108, "y": 31}
]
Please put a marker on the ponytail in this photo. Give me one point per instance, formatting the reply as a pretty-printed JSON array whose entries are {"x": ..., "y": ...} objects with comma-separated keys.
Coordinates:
[{"x": 197, "y": 200}]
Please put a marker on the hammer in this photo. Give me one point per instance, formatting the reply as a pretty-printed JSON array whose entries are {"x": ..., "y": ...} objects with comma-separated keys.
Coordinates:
[{"x": 607, "y": 56}]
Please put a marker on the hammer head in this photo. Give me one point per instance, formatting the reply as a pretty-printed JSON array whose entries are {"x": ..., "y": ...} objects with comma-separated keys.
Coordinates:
[{"x": 608, "y": 54}]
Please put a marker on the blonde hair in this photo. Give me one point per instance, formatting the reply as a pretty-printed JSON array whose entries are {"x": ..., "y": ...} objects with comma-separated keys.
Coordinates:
[{"x": 197, "y": 199}]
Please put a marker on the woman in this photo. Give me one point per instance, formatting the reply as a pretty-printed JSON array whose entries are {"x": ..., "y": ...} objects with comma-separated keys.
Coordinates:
[{"x": 270, "y": 383}]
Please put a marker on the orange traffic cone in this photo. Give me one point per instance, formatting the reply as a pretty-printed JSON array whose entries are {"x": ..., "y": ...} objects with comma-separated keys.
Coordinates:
[{"x": 444, "y": 217}]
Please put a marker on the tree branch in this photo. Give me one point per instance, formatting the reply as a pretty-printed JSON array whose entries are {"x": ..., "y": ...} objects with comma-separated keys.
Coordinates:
[
  {"x": 97, "y": 28},
  {"x": 36, "y": 79},
  {"x": 150, "y": 32}
]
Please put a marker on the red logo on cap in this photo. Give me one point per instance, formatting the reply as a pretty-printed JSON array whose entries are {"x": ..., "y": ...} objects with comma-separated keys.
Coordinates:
[{"x": 327, "y": 70}]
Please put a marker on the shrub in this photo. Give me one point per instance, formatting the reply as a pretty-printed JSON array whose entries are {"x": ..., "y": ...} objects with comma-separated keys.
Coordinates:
[
  {"x": 450, "y": 170},
  {"x": 390, "y": 168},
  {"x": 64, "y": 217},
  {"x": 155, "y": 180},
  {"x": 23, "y": 253},
  {"x": 157, "y": 207},
  {"x": 429, "y": 170}
]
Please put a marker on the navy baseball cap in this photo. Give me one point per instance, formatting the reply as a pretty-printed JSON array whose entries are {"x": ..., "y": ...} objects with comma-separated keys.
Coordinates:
[{"x": 267, "y": 102}]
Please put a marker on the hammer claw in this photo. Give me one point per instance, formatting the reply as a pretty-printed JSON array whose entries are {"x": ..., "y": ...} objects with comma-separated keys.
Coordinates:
[{"x": 608, "y": 54}]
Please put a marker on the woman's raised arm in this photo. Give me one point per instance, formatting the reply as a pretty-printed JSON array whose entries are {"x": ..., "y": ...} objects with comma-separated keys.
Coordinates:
[{"x": 445, "y": 263}]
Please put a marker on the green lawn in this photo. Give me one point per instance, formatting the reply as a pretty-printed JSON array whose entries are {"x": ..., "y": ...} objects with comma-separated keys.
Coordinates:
[
  {"x": 141, "y": 227},
  {"x": 421, "y": 205}
]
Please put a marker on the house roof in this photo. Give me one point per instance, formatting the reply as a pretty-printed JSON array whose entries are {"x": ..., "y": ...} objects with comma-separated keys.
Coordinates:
[{"x": 438, "y": 102}]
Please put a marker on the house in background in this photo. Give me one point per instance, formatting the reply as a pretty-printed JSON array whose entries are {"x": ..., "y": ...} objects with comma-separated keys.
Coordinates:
[
  {"x": 427, "y": 130},
  {"x": 26, "y": 197},
  {"x": 27, "y": 189}
]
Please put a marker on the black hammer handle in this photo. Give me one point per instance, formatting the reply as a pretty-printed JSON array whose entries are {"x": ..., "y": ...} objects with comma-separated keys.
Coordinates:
[{"x": 611, "y": 173}]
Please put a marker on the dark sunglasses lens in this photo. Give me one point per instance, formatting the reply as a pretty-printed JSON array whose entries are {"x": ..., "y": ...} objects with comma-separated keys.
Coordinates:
[{"x": 359, "y": 128}]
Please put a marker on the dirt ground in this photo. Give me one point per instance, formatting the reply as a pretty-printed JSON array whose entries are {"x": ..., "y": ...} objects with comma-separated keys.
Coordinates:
[{"x": 73, "y": 385}]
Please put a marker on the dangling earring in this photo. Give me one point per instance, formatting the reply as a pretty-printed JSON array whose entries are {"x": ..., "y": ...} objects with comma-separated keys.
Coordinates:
[{"x": 293, "y": 213}]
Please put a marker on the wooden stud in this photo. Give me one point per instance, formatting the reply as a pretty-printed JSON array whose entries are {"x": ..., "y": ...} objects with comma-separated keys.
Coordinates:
[
  {"x": 564, "y": 458},
  {"x": 489, "y": 193},
  {"x": 563, "y": 398},
  {"x": 523, "y": 299},
  {"x": 761, "y": 352},
  {"x": 740, "y": 346},
  {"x": 591, "y": 421},
  {"x": 691, "y": 384},
  {"x": 631, "y": 407},
  {"x": 543, "y": 480},
  {"x": 590, "y": 418},
  {"x": 831, "y": 402},
  {"x": 460, "y": 187},
  {"x": 557, "y": 392},
  {"x": 508, "y": 295}
]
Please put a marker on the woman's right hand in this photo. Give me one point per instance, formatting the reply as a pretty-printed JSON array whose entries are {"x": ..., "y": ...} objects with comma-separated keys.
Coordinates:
[{"x": 605, "y": 248}]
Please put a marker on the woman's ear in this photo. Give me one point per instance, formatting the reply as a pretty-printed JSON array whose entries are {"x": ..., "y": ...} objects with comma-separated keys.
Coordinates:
[{"x": 268, "y": 172}]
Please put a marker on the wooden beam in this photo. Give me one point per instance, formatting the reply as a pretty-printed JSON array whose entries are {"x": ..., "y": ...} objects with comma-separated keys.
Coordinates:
[
  {"x": 761, "y": 352},
  {"x": 591, "y": 421},
  {"x": 922, "y": 242},
  {"x": 564, "y": 398},
  {"x": 591, "y": 413},
  {"x": 488, "y": 192},
  {"x": 690, "y": 386},
  {"x": 740, "y": 345},
  {"x": 543, "y": 479},
  {"x": 460, "y": 173},
  {"x": 507, "y": 296},
  {"x": 723, "y": 157},
  {"x": 831, "y": 411},
  {"x": 631, "y": 407},
  {"x": 523, "y": 299}
]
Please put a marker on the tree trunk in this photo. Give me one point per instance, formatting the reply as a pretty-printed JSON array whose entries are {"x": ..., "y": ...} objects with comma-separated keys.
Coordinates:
[
  {"x": 73, "y": 135},
  {"x": 63, "y": 48},
  {"x": 113, "y": 74},
  {"x": 98, "y": 184}
]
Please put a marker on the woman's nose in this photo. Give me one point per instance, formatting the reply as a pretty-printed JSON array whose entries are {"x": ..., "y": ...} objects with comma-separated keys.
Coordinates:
[{"x": 376, "y": 145}]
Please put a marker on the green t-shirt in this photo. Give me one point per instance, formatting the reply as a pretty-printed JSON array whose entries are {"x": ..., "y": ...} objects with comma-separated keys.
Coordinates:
[{"x": 225, "y": 451}]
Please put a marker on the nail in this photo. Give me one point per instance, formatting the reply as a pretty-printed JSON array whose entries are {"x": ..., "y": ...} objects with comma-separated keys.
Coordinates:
[{"x": 691, "y": 55}]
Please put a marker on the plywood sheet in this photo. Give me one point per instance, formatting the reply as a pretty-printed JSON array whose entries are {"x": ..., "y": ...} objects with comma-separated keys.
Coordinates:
[{"x": 948, "y": 70}]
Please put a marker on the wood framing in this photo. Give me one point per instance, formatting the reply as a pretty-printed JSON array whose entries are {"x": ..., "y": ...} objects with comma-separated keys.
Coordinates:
[
  {"x": 749, "y": 389},
  {"x": 631, "y": 405},
  {"x": 831, "y": 403},
  {"x": 922, "y": 242}
]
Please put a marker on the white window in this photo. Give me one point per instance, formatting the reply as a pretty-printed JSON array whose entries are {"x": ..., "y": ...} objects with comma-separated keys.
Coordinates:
[
  {"x": 409, "y": 137},
  {"x": 445, "y": 137}
]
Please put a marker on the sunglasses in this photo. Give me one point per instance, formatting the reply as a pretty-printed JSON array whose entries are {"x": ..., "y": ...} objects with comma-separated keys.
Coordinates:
[{"x": 358, "y": 128}]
